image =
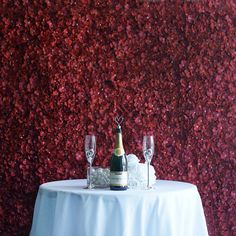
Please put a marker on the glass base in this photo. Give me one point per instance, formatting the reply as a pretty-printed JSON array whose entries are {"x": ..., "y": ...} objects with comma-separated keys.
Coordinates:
[
  {"x": 153, "y": 187},
  {"x": 148, "y": 187},
  {"x": 89, "y": 187}
]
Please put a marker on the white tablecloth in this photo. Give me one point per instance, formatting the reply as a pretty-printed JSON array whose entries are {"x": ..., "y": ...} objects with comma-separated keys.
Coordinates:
[{"x": 64, "y": 208}]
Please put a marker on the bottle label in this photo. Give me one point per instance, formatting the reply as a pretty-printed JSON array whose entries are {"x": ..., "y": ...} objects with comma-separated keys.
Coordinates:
[
  {"x": 118, "y": 178},
  {"x": 119, "y": 151}
]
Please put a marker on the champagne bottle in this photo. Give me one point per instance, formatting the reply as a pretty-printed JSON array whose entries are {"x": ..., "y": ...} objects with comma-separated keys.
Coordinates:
[{"x": 118, "y": 165}]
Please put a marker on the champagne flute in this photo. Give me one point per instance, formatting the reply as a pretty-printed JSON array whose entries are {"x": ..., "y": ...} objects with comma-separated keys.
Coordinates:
[
  {"x": 148, "y": 151},
  {"x": 90, "y": 150}
]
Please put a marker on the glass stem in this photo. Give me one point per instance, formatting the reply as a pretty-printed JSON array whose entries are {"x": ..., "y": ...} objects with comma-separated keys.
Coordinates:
[
  {"x": 90, "y": 171},
  {"x": 148, "y": 169}
]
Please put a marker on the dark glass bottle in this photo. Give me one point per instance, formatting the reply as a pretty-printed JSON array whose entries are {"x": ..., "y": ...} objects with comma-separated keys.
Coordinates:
[{"x": 118, "y": 165}]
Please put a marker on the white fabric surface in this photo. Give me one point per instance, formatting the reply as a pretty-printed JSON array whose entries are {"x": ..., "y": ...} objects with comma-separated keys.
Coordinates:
[{"x": 64, "y": 208}]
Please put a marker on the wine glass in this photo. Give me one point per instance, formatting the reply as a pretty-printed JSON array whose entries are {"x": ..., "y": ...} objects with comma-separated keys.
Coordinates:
[
  {"x": 148, "y": 151},
  {"x": 90, "y": 150}
]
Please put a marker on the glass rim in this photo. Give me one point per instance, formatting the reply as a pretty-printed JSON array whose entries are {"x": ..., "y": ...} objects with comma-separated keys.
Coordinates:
[
  {"x": 148, "y": 136},
  {"x": 90, "y": 136}
]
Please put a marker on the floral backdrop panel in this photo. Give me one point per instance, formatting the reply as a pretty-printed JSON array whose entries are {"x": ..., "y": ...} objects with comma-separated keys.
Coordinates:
[{"x": 68, "y": 67}]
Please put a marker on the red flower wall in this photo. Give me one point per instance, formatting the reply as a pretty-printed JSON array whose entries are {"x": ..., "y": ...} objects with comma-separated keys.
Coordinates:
[{"x": 68, "y": 67}]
